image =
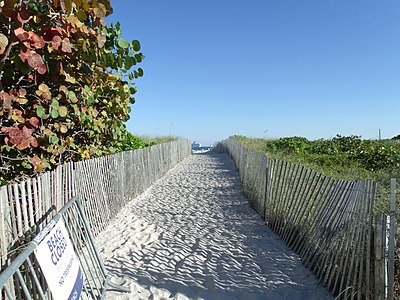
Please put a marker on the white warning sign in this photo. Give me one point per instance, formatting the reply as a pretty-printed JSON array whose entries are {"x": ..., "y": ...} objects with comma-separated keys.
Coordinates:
[{"x": 60, "y": 264}]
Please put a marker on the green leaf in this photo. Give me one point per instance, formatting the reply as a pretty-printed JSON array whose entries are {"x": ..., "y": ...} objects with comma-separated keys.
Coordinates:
[
  {"x": 81, "y": 15},
  {"x": 72, "y": 97},
  {"x": 54, "y": 139},
  {"x": 139, "y": 58},
  {"x": 40, "y": 112},
  {"x": 132, "y": 90},
  {"x": 129, "y": 62},
  {"x": 90, "y": 99},
  {"x": 136, "y": 45},
  {"x": 54, "y": 113},
  {"x": 123, "y": 43},
  {"x": 55, "y": 104},
  {"x": 140, "y": 71}
]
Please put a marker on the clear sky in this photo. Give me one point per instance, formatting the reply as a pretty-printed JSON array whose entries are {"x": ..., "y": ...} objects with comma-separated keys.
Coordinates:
[{"x": 265, "y": 68}]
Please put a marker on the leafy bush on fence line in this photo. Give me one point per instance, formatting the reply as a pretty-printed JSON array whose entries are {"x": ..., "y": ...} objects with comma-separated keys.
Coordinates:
[
  {"x": 367, "y": 156},
  {"x": 343, "y": 157},
  {"x": 65, "y": 83}
]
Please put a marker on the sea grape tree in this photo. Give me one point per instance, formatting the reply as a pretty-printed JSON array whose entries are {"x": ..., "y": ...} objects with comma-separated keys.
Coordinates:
[{"x": 65, "y": 83}]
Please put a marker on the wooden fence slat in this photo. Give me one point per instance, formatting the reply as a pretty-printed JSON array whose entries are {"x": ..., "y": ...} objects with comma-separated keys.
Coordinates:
[
  {"x": 24, "y": 206},
  {"x": 392, "y": 239},
  {"x": 353, "y": 244},
  {"x": 17, "y": 208},
  {"x": 316, "y": 261},
  {"x": 315, "y": 177},
  {"x": 368, "y": 271},
  {"x": 314, "y": 214},
  {"x": 334, "y": 219},
  {"x": 380, "y": 261},
  {"x": 302, "y": 238},
  {"x": 289, "y": 198},
  {"x": 4, "y": 232},
  {"x": 311, "y": 250},
  {"x": 31, "y": 207},
  {"x": 268, "y": 197},
  {"x": 294, "y": 198}
]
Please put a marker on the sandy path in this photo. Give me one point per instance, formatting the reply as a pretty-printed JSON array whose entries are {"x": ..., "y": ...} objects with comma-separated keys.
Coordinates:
[{"x": 192, "y": 235}]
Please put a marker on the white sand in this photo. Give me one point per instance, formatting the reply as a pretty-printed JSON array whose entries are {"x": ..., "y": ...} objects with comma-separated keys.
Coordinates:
[{"x": 192, "y": 235}]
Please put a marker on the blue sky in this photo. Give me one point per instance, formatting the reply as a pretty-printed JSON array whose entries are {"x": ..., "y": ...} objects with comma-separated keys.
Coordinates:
[{"x": 265, "y": 68}]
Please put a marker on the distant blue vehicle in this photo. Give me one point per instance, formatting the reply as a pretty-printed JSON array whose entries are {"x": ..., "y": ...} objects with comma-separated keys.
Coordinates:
[{"x": 198, "y": 147}]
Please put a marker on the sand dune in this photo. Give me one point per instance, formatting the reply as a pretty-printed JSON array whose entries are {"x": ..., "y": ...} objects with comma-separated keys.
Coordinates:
[{"x": 192, "y": 235}]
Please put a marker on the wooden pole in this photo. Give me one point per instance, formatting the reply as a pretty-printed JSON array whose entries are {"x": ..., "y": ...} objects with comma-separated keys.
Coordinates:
[
  {"x": 392, "y": 238},
  {"x": 380, "y": 237}
]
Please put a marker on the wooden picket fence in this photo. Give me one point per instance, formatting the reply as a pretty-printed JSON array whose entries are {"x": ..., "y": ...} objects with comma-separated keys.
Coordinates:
[
  {"x": 104, "y": 185},
  {"x": 329, "y": 223}
]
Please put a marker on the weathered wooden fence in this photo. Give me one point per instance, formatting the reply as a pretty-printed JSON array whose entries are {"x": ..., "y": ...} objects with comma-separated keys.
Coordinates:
[
  {"x": 328, "y": 222},
  {"x": 104, "y": 185}
]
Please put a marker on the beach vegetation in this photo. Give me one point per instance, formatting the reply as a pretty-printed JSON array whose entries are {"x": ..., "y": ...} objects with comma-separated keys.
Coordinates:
[
  {"x": 66, "y": 84},
  {"x": 342, "y": 157}
]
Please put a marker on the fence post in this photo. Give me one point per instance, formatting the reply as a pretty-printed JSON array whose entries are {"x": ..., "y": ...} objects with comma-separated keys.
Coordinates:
[
  {"x": 392, "y": 238},
  {"x": 379, "y": 243}
]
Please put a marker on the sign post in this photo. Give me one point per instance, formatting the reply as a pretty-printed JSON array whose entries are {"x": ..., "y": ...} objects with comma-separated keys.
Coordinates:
[{"x": 60, "y": 264}]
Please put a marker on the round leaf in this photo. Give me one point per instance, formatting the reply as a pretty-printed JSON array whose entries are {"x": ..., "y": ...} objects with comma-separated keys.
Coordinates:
[
  {"x": 136, "y": 45},
  {"x": 54, "y": 113},
  {"x": 63, "y": 129},
  {"x": 55, "y": 104},
  {"x": 123, "y": 43},
  {"x": 3, "y": 43},
  {"x": 63, "y": 111},
  {"x": 54, "y": 139},
  {"x": 40, "y": 112}
]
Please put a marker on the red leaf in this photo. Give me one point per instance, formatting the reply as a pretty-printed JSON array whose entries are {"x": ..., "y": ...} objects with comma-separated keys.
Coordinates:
[
  {"x": 24, "y": 54},
  {"x": 41, "y": 69},
  {"x": 34, "y": 122},
  {"x": 25, "y": 143},
  {"x": 56, "y": 42},
  {"x": 34, "y": 142},
  {"x": 15, "y": 135},
  {"x": 35, "y": 41},
  {"x": 27, "y": 133},
  {"x": 35, "y": 61},
  {"x": 21, "y": 34}
]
